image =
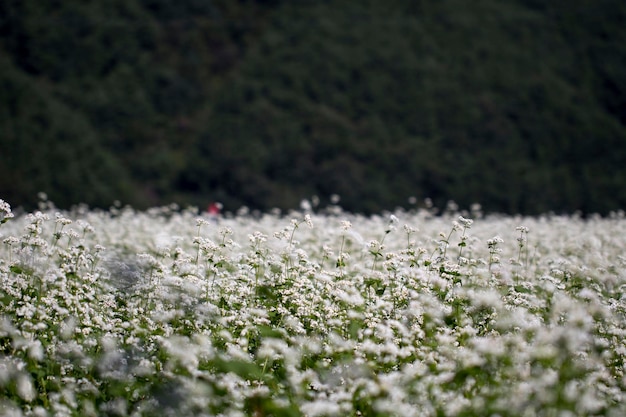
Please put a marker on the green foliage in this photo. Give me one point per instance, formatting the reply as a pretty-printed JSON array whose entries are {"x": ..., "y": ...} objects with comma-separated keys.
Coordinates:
[
  {"x": 47, "y": 146},
  {"x": 518, "y": 106}
]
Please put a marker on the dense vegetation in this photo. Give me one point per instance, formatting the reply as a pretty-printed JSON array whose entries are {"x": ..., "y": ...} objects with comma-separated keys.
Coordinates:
[
  {"x": 517, "y": 105},
  {"x": 167, "y": 313}
]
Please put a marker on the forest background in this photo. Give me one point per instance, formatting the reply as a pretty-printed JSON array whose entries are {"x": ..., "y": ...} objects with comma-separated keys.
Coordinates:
[{"x": 518, "y": 105}]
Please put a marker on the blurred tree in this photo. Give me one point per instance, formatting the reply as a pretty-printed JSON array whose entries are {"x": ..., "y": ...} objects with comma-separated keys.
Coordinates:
[
  {"x": 516, "y": 105},
  {"x": 47, "y": 147}
]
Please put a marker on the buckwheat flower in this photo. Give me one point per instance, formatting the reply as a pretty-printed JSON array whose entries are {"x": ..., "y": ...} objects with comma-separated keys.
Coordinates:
[
  {"x": 466, "y": 223},
  {"x": 73, "y": 234},
  {"x": 4, "y": 206},
  {"x": 391, "y": 264},
  {"x": 393, "y": 222},
  {"x": 494, "y": 241},
  {"x": 148, "y": 259},
  {"x": 33, "y": 229},
  {"x": 24, "y": 387},
  {"x": 375, "y": 247},
  {"x": 62, "y": 220},
  {"x": 114, "y": 407},
  {"x": 35, "y": 351},
  {"x": 321, "y": 407},
  {"x": 202, "y": 222},
  {"x": 301, "y": 255},
  {"x": 486, "y": 298},
  {"x": 86, "y": 227},
  {"x": 522, "y": 229},
  {"x": 488, "y": 345},
  {"x": 345, "y": 225},
  {"x": 37, "y": 217},
  {"x": 225, "y": 231},
  {"x": 408, "y": 229},
  {"x": 257, "y": 237},
  {"x": 206, "y": 245},
  {"x": 308, "y": 221},
  {"x": 39, "y": 411},
  {"x": 11, "y": 240},
  {"x": 37, "y": 242},
  {"x": 282, "y": 234},
  {"x": 5, "y": 212}
]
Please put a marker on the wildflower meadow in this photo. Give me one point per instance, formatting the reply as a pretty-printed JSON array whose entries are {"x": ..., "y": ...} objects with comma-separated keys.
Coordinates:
[{"x": 170, "y": 312}]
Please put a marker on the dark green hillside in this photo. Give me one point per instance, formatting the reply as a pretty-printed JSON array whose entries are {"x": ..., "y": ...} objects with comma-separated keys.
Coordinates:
[{"x": 517, "y": 105}]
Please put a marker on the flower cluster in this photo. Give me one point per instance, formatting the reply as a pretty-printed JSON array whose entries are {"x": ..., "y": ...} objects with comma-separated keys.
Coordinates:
[{"x": 5, "y": 211}]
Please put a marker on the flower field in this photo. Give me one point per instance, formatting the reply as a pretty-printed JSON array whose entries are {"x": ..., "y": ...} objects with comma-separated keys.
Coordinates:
[{"x": 170, "y": 313}]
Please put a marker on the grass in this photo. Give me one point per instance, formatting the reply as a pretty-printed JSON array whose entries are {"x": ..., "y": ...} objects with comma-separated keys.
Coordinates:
[{"x": 165, "y": 312}]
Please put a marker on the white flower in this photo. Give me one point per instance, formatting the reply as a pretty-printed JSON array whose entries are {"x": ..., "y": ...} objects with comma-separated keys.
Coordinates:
[
  {"x": 494, "y": 241},
  {"x": 201, "y": 222},
  {"x": 11, "y": 240},
  {"x": 5, "y": 207},
  {"x": 86, "y": 227},
  {"x": 5, "y": 212},
  {"x": 467, "y": 223},
  {"x": 257, "y": 237},
  {"x": 62, "y": 220},
  {"x": 35, "y": 351},
  {"x": 25, "y": 388},
  {"x": 308, "y": 221},
  {"x": 225, "y": 231},
  {"x": 375, "y": 246},
  {"x": 408, "y": 229}
]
